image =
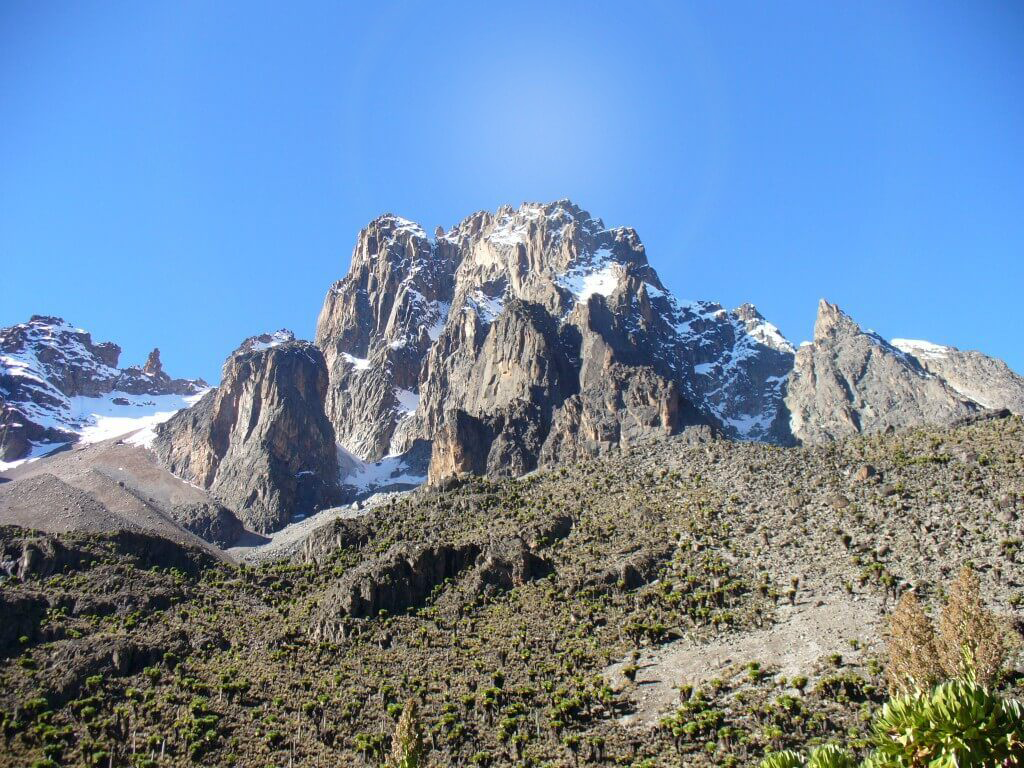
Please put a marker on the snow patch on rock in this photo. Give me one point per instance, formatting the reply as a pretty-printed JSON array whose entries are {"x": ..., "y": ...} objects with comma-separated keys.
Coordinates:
[
  {"x": 921, "y": 349},
  {"x": 367, "y": 476}
]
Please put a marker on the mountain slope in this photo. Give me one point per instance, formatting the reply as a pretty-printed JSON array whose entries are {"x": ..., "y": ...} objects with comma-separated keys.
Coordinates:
[{"x": 605, "y": 613}]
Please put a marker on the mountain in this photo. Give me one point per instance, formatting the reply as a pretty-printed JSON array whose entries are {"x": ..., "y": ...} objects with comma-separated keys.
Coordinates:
[
  {"x": 530, "y": 336},
  {"x": 57, "y": 386},
  {"x": 525, "y": 338},
  {"x": 848, "y": 381}
]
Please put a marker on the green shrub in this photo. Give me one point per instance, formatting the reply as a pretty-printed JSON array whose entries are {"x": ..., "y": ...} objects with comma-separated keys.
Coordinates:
[{"x": 956, "y": 723}]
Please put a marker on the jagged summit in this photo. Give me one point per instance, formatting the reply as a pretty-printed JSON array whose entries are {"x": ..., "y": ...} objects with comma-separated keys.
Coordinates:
[
  {"x": 525, "y": 320},
  {"x": 266, "y": 341},
  {"x": 761, "y": 330},
  {"x": 849, "y": 381},
  {"x": 832, "y": 322},
  {"x": 58, "y": 386}
]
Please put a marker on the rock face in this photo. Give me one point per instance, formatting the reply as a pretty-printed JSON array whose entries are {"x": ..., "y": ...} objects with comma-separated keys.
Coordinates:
[
  {"x": 405, "y": 575},
  {"x": 530, "y": 336},
  {"x": 46, "y": 362},
  {"x": 375, "y": 328},
  {"x": 849, "y": 381},
  {"x": 983, "y": 379},
  {"x": 261, "y": 442}
]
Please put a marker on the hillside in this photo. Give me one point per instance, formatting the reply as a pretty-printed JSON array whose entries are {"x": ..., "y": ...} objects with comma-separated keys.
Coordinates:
[{"x": 546, "y": 620}]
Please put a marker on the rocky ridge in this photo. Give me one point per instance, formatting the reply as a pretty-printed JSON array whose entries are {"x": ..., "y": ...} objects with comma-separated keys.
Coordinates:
[
  {"x": 849, "y": 381},
  {"x": 537, "y": 335},
  {"x": 986, "y": 380},
  {"x": 47, "y": 365}
]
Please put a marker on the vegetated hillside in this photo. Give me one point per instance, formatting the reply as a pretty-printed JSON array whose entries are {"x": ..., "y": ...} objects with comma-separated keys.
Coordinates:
[{"x": 540, "y": 621}]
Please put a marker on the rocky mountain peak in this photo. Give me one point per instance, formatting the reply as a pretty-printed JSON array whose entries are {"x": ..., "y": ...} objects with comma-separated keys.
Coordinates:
[
  {"x": 761, "y": 330},
  {"x": 506, "y": 316},
  {"x": 265, "y": 341},
  {"x": 832, "y": 322},
  {"x": 542, "y": 238},
  {"x": 850, "y": 381},
  {"x": 260, "y": 443},
  {"x": 72, "y": 361},
  {"x": 56, "y": 383}
]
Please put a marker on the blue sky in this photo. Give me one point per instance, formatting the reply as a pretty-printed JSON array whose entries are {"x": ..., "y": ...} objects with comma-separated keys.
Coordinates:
[{"x": 186, "y": 174}]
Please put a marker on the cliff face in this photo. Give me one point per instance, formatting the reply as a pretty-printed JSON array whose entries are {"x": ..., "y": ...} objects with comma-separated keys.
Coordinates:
[
  {"x": 261, "y": 443},
  {"x": 532, "y": 335},
  {"x": 375, "y": 328}
]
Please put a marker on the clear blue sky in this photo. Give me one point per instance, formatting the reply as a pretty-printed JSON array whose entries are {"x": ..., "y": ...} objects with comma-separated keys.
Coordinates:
[{"x": 185, "y": 174}]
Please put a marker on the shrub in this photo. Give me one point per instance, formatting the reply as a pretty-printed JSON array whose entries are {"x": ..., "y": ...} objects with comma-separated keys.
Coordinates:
[
  {"x": 913, "y": 662},
  {"x": 971, "y": 639},
  {"x": 971, "y": 643},
  {"x": 959, "y": 722}
]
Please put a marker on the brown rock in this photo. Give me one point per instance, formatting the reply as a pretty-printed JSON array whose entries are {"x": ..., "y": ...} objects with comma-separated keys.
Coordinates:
[{"x": 261, "y": 442}]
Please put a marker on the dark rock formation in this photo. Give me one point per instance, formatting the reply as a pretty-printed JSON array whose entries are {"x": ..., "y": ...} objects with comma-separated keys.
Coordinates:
[
  {"x": 260, "y": 442},
  {"x": 401, "y": 578},
  {"x": 504, "y": 565},
  {"x": 623, "y": 407},
  {"x": 209, "y": 521},
  {"x": 406, "y": 575}
]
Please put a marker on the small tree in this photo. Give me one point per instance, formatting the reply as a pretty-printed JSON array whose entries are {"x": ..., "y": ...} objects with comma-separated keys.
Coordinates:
[{"x": 407, "y": 747}]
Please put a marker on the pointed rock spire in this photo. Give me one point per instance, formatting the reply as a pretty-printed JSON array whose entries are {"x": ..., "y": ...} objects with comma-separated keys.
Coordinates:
[
  {"x": 153, "y": 367},
  {"x": 832, "y": 322}
]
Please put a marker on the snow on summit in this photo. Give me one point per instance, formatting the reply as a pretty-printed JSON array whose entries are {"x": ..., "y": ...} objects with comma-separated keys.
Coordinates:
[{"x": 58, "y": 386}]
